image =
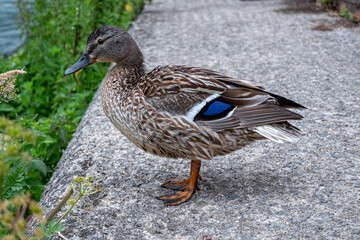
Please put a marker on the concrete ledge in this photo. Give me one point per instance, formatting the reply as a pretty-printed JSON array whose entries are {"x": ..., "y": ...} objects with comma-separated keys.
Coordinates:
[{"x": 307, "y": 190}]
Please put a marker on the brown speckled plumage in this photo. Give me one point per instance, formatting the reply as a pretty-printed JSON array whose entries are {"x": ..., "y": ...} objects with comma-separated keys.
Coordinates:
[
  {"x": 183, "y": 112},
  {"x": 168, "y": 133}
]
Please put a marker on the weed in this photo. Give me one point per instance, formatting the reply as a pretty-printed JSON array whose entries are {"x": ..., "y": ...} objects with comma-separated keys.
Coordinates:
[
  {"x": 19, "y": 173},
  {"x": 330, "y": 4},
  {"x": 13, "y": 221},
  {"x": 16, "y": 212},
  {"x": 48, "y": 103},
  {"x": 346, "y": 14},
  {"x": 7, "y": 87}
]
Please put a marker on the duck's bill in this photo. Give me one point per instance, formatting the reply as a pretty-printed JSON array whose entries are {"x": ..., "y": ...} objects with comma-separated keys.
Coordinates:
[{"x": 83, "y": 62}]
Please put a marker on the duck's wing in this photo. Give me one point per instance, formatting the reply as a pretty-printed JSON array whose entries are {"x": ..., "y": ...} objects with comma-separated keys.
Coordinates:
[
  {"x": 177, "y": 89},
  {"x": 213, "y": 100}
]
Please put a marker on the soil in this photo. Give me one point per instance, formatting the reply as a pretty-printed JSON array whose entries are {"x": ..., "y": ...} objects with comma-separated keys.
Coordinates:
[
  {"x": 336, "y": 22},
  {"x": 301, "y": 6},
  {"x": 310, "y": 6}
]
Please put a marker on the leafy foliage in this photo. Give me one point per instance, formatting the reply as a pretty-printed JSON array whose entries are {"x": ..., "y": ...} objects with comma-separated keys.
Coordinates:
[
  {"x": 19, "y": 173},
  {"x": 7, "y": 88},
  {"x": 53, "y": 228},
  {"x": 13, "y": 220},
  {"x": 48, "y": 102},
  {"x": 347, "y": 14},
  {"x": 16, "y": 212},
  {"x": 331, "y": 4}
]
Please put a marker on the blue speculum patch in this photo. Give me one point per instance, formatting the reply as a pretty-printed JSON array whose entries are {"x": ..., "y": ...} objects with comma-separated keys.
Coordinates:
[{"x": 216, "y": 108}]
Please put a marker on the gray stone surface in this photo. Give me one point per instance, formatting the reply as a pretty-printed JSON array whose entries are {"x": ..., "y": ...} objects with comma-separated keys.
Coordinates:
[{"x": 306, "y": 190}]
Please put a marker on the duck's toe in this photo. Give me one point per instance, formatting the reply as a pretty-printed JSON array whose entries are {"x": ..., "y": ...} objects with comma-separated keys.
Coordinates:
[
  {"x": 177, "y": 184},
  {"x": 178, "y": 197}
]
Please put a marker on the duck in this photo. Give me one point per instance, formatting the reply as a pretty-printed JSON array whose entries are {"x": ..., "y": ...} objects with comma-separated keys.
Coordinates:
[{"x": 178, "y": 111}]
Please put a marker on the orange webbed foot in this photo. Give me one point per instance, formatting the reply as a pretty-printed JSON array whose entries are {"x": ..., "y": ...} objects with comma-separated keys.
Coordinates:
[
  {"x": 178, "y": 197},
  {"x": 184, "y": 188}
]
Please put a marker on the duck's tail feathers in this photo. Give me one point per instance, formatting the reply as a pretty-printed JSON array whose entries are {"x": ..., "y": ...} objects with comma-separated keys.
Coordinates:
[{"x": 279, "y": 132}]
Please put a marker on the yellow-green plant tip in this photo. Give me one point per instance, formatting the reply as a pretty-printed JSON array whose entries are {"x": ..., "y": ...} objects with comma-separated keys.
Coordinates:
[
  {"x": 8, "y": 217},
  {"x": 29, "y": 137},
  {"x": 3, "y": 122},
  {"x": 13, "y": 130},
  {"x": 21, "y": 224},
  {"x": 35, "y": 207},
  {"x": 17, "y": 201},
  {"x": 79, "y": 179},
  {"x": 12, "y": 149},
  {"x": 27, "y": 157}
]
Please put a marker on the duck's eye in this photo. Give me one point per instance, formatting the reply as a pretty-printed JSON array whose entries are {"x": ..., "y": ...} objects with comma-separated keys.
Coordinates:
[{"x": 100, "y": 41}]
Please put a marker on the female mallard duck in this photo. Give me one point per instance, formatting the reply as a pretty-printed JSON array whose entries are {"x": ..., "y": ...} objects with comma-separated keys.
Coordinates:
[{"x": 180, "y": 111}]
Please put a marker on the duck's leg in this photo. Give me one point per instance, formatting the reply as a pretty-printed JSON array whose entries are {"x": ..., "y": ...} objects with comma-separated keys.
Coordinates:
[{"x": 185, "y": 187}]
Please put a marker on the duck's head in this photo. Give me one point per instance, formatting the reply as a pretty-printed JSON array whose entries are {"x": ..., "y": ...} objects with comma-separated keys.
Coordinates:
[{"x": 108, "y": 44}]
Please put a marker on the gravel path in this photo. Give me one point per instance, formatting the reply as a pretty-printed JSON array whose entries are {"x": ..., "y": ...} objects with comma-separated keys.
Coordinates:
[{"x": 306, "y": 190}]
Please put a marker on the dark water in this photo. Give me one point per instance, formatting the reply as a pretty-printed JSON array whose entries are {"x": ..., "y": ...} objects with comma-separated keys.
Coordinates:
[{"x": 10, "y": 38}]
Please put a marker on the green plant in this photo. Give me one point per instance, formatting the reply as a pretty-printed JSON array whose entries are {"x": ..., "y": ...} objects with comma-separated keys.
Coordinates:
[
  {"x": 56, "y": 34},
  {"x": 7, "y": 87},
  {"x": 53, "y": 135},
  {"x": 83, "y": 187},
  {"x": 331, "y": 4},
  {"x": 16, "y": 212},
  {"x": 19, "y": 172},
  {"x": 13, "y": 220},
  {"x": 48, "y": 103},
  {"x": 346, "y": 14}
]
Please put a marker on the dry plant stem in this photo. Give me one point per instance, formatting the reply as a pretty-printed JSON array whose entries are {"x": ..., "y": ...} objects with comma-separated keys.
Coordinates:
[
  {"x": 61, "y": 236},
  {"x": 21, "y": 214},
  {"x": 77, "y": 32},
  {"x": 1, "y": 184},
  {"x": 58, "y": 207},
  {"x": 71, "y": 207}
]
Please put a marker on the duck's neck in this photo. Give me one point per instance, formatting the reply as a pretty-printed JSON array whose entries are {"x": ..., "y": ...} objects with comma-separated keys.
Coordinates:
[
  {"x": 125, "y": 76},
  {"x": 128, "y": 70}
]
